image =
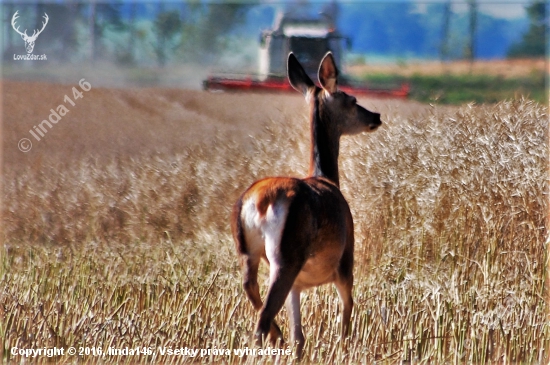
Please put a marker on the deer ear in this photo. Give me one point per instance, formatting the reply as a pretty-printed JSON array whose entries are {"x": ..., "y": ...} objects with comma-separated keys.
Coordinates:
[
  {"x": 297, "y": 76},
  {"x": 328, "y": 74}
]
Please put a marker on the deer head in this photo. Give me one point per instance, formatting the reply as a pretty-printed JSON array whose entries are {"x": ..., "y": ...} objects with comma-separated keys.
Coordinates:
[{"x": 29, "y": 41}]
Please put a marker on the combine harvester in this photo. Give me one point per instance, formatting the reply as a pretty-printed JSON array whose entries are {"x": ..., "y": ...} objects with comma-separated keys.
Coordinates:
[{"x": 310, "y": 39}]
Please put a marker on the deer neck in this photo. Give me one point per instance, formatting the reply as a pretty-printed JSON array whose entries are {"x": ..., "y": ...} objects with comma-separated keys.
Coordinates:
[{"x": 325, "y": 143}]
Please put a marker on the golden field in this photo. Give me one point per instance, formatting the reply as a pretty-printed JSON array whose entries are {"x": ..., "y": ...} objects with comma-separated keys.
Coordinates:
[
  {"x": 116, "y": 230},
  {"x": 505, "y": 68}
]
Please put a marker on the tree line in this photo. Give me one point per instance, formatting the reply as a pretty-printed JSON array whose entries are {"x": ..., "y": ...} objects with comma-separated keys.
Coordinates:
[
  {"x": 127, "y": 33},
  {"x": 137, "y": 33}
]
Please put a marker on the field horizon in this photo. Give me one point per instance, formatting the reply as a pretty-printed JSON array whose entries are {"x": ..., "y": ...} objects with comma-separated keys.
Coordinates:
[
  {"x": 505, "y": 68},
  {"x": 432, "y": 81},
  {"x": 116, "y": 227}
]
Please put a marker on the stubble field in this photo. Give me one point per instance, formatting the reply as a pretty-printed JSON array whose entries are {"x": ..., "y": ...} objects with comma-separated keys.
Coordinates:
[{"x": 116, "y": 234}]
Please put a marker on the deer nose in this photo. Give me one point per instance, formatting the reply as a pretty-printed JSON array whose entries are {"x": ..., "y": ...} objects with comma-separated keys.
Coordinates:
[{"x": 376, "y": 122}]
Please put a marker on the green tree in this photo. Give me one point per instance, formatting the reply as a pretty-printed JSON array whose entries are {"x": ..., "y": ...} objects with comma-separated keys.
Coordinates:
[
  {"x": 445, "y": 31},
  {"x": 102, "y": 17},
  {"x": 167, "y": 26},
  {"x": 533, "y": 43},
  {"x": 469, "y": 50},
  {"x": 207, "y": 27}
]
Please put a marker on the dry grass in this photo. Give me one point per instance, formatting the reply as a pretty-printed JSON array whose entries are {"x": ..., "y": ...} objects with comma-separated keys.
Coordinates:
[
  {"x": 133, "y": 248},
  {"x": 503, "y": 68}
]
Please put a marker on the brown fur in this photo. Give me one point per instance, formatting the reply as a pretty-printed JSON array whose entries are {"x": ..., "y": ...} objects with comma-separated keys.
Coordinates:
[{"x": 267, "y": 191}]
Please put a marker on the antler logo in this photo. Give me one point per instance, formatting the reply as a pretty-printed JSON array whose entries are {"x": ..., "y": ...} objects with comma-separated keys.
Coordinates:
[{"x": 29, "y": 41}]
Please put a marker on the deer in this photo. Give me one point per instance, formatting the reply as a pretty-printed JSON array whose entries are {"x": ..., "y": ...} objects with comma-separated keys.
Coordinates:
[
  {"x": 302, "y": 227},
  {"x": 29, "y": 41}
]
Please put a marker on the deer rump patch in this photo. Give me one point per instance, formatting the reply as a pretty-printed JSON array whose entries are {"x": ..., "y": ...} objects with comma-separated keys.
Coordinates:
[{"x": 276, "y": 206}]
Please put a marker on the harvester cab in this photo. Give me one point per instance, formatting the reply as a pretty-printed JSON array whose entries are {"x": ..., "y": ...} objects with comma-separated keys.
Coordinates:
[{"x": 308, "y": 38}]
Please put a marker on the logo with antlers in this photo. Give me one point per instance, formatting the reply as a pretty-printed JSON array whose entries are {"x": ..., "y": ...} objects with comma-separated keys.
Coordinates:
[{"x": 29, "y": 41}]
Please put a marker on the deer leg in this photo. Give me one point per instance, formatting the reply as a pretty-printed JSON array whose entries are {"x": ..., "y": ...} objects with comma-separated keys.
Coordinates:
[
  {"x": 344, "y": 286},
  {"x": 344, "y": 291},
  {"x": 293, "y": 309},
  {"x": 281, "y": 281},
  {"x": 252, "y": 289}
]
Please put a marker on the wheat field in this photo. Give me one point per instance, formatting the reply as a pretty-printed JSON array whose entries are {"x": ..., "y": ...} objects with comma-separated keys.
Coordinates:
[
  {"x": 507, "y": 68},
  {"x": 116, "y": 233}
]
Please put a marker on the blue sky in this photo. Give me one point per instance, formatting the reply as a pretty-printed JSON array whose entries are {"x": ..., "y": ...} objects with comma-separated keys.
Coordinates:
[{"x": 498, "y": 9}]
